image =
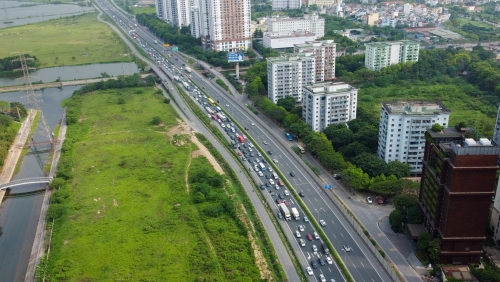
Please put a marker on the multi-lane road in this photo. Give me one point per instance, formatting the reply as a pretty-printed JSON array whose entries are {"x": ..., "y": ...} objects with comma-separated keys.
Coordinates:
[{"x": 360, "y": 262}]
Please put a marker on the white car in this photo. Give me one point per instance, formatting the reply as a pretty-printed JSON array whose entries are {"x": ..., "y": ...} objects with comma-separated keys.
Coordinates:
[
  {"x": 315, "y": 249},
  {"x": 301, "y": 227},
  {"x": 329, "y": 260},
  {"x": 316, "y": 235},
  {"x": 271, "y": 181},
  {"x": 259, "y": 154},
  {"x": 309, "y": 271},
  {"x": 275, "y": 161},
  {"x": 250, "y": 150},
  {"x": 302, "y": 242},
  {"x": 369, "y": 200},
  {"x": 260, "y": 173},
  {"x": 346, "y": 248},
  {"x": 250, "y": 144},
  {"x": 287, "y": 193},
  {"x": 322, "y": 278},
  {"x": 297, "y": 233},
  {"x": 265, "y": 142},
  {"x": 253, "y": 123},
  {"x": 322, "y": 222},
  {"x": 256, "y": 169},
  {"x": 277, "y": 186},
  {"x": 270, "y": 169}
]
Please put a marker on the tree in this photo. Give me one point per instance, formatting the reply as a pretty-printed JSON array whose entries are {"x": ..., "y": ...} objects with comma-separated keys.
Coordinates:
[
  {"x": 166, "y": 101},
  {"x": 368, "y": 136},
  {"x": 437, "y": 127},
  {"x": 356, "y": 178},
  {"x": 4, "y": 106},
  {"x": 288, "y": 103},
  {"x": 352, "y": 150},
  {"x": 414, "y": 215},
  {"x": 434, "y": 250},
  {"x": 17, "y": 110},
  {"x": 396, "y": 220},
  {"x": 156, "y": 120},
  {"x": 5, "y": 121},
  {"x": 339, "y": 135},
  {"x": 370, "y": 164},
  {"x": 398, "y": 169},
  {"x": 424, "y": 240},
  {"x": 403, "y": 202}
]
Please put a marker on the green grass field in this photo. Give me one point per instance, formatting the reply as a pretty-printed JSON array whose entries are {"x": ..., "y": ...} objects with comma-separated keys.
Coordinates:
[
  {"x": 144, "y": 10},
  {"x": 473, "y": 111},
  {"x": 127, "y": 215},
  {"x": 68, "y": 41}
]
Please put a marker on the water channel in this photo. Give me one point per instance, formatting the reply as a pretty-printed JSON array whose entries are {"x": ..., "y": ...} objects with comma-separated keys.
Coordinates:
[
  {"x": 15, "y": 13},
  {"x": 70, "y": 73},
  {"x": 20, "y": 210}
]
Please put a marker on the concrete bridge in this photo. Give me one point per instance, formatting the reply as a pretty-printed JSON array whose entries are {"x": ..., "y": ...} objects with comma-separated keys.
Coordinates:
[{"x": 25, "y": 181}]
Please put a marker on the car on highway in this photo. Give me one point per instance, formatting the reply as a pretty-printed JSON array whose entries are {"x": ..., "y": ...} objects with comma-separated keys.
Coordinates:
[
  {"x": 262, "y": 187},
  {"x": 301, "y": 227},
  {"x": 321, "y": 261},
  {"x": 301, "y": 193},
  {"x": 337, "y": 176},
  {"x": 286, "y": 203},
  {"x": 322, "y": 278},
  {"x": 316, "y": 235},
  {"x": 281, "y": 196},
  {"x": 276, "y": 186},
  {"x": 275, "y": 161},
  {"x": 329, "y": 260},
  {"x": 322, "y": 222},
  {"x": 314, "y": 264},
  {"x": 260, "y": 173},
  {"x": 297, "y": 233},
  {"x": 286, "y": 193},
  {"x": 269, "y": 152},
  {"x": 315, "y": 249},
  {"x": 346, "y": 248},
  {"x": 272, "y": 182},
  {"x": 306, "y": 219},
  {"x": 272, "y": 193},
  {"x": 278, "y": 201},
  {"x": 309, "y": 271},
  {"x": 309, "y": 237},
  {"x": 302, "y": 242},
  {"x": 265, "y": 143},
  {"x": 239, "y": 153},
  {"x": 369, "y": 200},
  {"x": 292, "y": 174}
]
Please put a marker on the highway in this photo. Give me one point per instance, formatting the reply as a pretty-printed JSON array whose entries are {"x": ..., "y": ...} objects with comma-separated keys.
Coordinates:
[{"x": 360, "y": 262}]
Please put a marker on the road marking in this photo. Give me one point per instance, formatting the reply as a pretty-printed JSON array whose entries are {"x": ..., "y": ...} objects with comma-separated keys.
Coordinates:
[{"x": 341, "y": 234}]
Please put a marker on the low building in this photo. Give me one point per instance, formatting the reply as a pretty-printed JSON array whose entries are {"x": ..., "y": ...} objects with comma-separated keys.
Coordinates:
[{"x": 328, "y": 103}]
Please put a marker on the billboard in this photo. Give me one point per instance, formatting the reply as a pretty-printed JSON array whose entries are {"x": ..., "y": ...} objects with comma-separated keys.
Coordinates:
[{"x": 234, "y": 57}]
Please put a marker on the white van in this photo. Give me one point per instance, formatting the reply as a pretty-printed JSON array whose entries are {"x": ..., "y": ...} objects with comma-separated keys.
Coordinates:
[
  {"x": 275, "y": 175},
  {"x": 218, "y": 109}
]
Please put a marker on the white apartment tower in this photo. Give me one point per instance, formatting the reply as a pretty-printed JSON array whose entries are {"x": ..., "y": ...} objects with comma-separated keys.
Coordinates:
[
  {"x": 225, "y": 25},
  {"x": 195, "y": 21},
  {"x": 328, "y": 103},
  {"x": 402, "y": 130},
  {"x": 287, "y": 74},
  {"x": 379, "y": 55},
  {"x": 325, "y": 52},
  {"x": 174, "y": 12},
  {"x": 312, "y": 23},
  {"x": 286, "y": 4}
]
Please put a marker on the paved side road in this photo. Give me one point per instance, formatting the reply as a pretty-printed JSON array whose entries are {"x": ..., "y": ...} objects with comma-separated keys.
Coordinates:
[{"x": 191, "y": 120}]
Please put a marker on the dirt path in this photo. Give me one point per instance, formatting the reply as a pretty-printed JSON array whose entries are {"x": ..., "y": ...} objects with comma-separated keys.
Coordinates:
[{"x": 203, "y": 151}]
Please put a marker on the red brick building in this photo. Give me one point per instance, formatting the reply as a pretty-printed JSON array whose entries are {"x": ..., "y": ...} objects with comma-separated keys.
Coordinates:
[{"x": 458, "y": 182}]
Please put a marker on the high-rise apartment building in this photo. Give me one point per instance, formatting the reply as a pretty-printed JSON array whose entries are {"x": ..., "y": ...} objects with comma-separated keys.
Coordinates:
[
  {"x": 174, "y": 12},
  {"x": 284, "y": 32},
  {"x": 458, "y": 179},
  {"x": 379, "y": 55},
  {"x": 328, "y": 103},
  {"x": 225, "y": 25},
  {"x": 286, "y": 4},
  {"x": 195, "y": 21},
  {"x": 402, "y": 128},
  {"x": 287, "y": 74},
  {"x": 325, "y": 52}
]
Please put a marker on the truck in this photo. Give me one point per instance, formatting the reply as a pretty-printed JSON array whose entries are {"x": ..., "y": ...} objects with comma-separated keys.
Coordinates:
[
  {"x": 176, "y": 78},
  {"x": 187, "y": 69},
  {"x": 295, "y": 213},
  {"x": 289, "y": 136},
  {"x": 285, "y": 212},
  {"x": 185, "y": 85}
]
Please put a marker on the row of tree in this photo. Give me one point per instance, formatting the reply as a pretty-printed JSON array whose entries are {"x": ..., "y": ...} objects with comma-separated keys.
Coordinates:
[{"x": 12, "y": 63}]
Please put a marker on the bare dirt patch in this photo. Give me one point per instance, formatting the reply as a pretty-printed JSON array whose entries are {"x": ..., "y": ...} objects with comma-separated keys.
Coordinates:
[
  {"x": 260, "y": 260},
  {"x": 203, "y": 151}
]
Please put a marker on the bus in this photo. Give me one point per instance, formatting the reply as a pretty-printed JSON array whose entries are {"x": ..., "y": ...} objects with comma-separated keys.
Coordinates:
[
  {"x": 211, "y": 102},
  {"x": 262, "y": 167},
  {"x": 302, "y": 151}
]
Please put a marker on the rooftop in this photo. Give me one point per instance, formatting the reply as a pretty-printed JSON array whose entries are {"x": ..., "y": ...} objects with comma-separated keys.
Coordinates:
[
  {"x": 315, "y": 43},
  {"x": 415, "y": 107},
  {"x": 291, "y": 58},
  {"x": 329, "y": 88},
  {"x": 289, "y": 34}
]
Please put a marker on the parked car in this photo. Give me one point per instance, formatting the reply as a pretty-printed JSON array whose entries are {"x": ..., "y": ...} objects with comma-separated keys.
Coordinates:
[
  {"x": 337, "y": 176},
  {"x": 369, "y": 200}
]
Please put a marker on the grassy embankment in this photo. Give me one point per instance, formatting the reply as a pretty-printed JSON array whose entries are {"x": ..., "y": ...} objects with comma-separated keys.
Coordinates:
[
  {"x": 128, "y": 213},
  {"x": 474, "y": 111},
  {"x": 144, "y": 10},
  {"x": 75, "y": 40}
]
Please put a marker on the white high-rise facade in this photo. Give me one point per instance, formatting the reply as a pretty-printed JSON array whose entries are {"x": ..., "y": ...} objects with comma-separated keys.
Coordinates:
[
  {"x": 312, "y": 23},
  {"x": 325, "y": 52},
  {"x": 328, "y": 103},
  {"x": 174, "y": 12},
  {"x": 379, "y": 55},
  {"x": 402, "y": 130},
  {"x": 287, "y": 74},
  {"x": 195, "y": 21},
  {"x": 225, "y": 24},
  {"x": 286, "y": 4}
]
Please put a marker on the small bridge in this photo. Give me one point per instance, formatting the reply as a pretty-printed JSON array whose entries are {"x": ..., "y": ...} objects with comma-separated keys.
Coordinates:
[{"x": 25, "y": 181}]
